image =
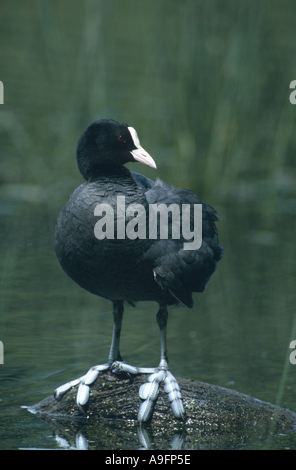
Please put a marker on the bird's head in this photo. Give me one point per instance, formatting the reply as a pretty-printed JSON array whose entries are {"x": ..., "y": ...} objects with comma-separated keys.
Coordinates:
[{"x": 109, "y": 144}]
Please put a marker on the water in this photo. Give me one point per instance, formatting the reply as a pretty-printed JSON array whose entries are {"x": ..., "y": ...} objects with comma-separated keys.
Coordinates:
[{"x": 237, "y": 335}]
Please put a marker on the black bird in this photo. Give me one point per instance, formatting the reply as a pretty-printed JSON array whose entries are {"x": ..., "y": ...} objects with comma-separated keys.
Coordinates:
[{"x": 106, "y": 242}]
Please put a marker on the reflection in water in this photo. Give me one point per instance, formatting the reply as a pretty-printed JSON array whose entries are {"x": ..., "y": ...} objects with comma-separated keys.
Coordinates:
[
  {"x": 144, "y": 438},
  {"x": 81, "y": 443}
]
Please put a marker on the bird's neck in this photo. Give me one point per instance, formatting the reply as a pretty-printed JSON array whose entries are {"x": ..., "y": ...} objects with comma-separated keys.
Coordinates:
[{"x": 110, "y": 172}]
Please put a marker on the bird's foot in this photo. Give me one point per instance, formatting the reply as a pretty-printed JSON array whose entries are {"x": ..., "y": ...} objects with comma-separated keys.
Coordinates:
[
  {"x": 84, "y": 382},
  {"x": 82, "y": 397},
  {"x": 148, "y": 391}
]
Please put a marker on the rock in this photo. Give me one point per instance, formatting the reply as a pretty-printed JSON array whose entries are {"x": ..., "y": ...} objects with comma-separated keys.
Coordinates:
[{"x": 216, "y": 417}]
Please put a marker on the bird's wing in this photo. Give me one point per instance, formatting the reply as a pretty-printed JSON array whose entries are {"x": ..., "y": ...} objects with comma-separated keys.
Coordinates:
[
  {"x": 184, "y": 271},
  {"x": 142, "y": 180}
]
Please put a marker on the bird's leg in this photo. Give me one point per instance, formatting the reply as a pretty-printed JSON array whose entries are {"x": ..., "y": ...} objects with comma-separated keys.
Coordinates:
[
  {"x": 149, "y": 390},
  {"x": 170, "y": 383},
  {"x": 115, "y": 360},
  {"x": 162, "y": 318},
  {"x": 114, "y": 354},
  {"x": 89, "y": 378}
]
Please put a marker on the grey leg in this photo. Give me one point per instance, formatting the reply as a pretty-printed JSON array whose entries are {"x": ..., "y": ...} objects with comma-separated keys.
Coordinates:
[
  {"x": 162, "y": 318},
  {"x": 114, "y": 354},
  {"x": 149, "y": 391}
]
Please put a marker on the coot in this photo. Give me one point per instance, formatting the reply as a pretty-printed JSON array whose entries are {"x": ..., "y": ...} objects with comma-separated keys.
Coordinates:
[{"x": 109, "y": 240}]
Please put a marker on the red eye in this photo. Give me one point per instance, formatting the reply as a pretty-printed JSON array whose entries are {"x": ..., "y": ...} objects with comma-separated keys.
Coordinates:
[{"x": 121, "y": 138}]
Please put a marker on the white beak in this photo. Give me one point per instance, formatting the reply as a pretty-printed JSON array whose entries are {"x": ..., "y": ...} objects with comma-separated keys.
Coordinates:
[{"x": 139, "y": 154}]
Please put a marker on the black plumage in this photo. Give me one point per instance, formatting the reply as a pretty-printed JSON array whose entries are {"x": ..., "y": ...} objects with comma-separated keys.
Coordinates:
[{"x": 130, "y": 270}]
